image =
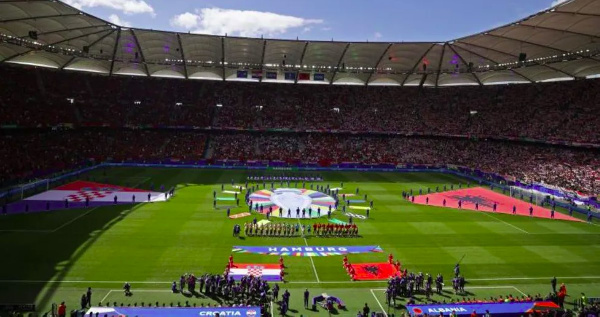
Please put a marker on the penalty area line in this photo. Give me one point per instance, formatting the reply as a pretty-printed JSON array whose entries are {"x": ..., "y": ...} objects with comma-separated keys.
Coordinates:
[
  {"x": 106, "y": 296},
  {"x": 73, "y": 220},
  {"x": 51, "y": 230}
]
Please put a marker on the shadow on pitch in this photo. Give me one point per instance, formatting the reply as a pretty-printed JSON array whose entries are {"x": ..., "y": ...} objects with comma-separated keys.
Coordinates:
[{"x": 44, "y": 257}]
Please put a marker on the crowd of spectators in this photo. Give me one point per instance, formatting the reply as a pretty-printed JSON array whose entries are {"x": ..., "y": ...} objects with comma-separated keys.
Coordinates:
[
  {"x": 556, "y": 111},
  {"x": 571, "y": 168},
  {"x": 369, "y": 117},
  {"x": 37, "y": 154}
]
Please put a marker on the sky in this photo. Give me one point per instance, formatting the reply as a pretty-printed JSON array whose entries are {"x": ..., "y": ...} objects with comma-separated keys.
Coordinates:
[{"x": 338, "y": 20}]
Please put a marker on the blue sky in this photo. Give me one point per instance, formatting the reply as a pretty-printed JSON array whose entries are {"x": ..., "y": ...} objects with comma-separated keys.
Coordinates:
[{"x": 349, "y": 20}]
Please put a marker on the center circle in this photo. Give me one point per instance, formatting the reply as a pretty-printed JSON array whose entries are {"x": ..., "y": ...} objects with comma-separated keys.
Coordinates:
[{"x": 292, "y": 202}]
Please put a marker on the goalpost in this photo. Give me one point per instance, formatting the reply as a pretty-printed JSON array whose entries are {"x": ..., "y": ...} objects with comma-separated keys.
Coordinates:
[
  {"x": 42, "y": 183},
  {"x": 536, "y": 196}
]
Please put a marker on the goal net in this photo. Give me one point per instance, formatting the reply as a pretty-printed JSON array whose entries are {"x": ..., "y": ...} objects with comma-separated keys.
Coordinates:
[{"x": 529, "y": 195}]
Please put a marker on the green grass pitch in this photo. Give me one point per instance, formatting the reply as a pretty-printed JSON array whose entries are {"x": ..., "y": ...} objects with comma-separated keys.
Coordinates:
[{"x": 55, "y": 256}]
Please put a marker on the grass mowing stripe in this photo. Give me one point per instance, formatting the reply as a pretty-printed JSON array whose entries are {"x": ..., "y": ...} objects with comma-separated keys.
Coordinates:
[{"x": 510, "y": 224}]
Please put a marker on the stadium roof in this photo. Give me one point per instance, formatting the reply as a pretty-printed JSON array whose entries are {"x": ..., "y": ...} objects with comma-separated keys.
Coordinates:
[{"x": 562, "y": 42}]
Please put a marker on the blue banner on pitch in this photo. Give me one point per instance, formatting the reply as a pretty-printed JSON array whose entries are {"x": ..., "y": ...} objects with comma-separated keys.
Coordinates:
[
  {"x": 174, "y": 312},
  {"x": 307, "y": 250},
  {"x": 495, "y": 309}
]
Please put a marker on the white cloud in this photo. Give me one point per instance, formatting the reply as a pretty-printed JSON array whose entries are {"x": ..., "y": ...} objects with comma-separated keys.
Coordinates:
[
  {"x": 326, "y": 28},
  {"x": 239, "y": 22},
  {"x": 125, "y": 6},
  {"x": 113, "y": 18},
  {"x": 377, "y": 35},
  {"x": 557, "y": 2},
  {"x": 186, "y": 20}
]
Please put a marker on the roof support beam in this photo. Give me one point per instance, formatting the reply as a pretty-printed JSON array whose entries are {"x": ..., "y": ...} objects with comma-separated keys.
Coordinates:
[
  {"x": 558, "y": 30},
  {"x": 65, "y": 30},
  {"x": 40, "y": 17},
  {"x": 540, "y": 45},
  {"x": 185, "y": 70},
  {"x": 90, "y": 46},
  {"x": 466, "y": 64},
  {"x": 338, "y": 63},
  {"x": 262, "y": 61},
  {"x": 493, "y": 61},
  {"x": 55, "y": 43},
  {"x": 378, "y": 62},
  {"x": 301, "y": 62},
  {"x": 439, "y": 71},
  {"x": 412, "y": 70},
  {"x": 223, "y": 56},
  {"x": 67, "y": 63},
  {"x": 137, "y": 44},
  {"x": 114, "y": 54},
  {"x": 516, "y": 57},
  {"x": 576, "y": 13}
]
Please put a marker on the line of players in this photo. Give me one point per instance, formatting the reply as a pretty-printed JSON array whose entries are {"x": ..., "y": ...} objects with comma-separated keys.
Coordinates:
[
  {"x": 494, "y": 206},
  {"x": 281, "y": 229},
  {"x": 309, "y": 178}
]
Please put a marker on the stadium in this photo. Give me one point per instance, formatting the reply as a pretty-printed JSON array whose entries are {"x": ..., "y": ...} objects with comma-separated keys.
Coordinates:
[{"x": 162, "y": 173}]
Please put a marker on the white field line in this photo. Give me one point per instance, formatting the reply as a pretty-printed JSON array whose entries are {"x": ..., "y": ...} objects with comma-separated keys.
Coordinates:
[
  {"x": 510, "y": 224},
  {"x": 379, "y": 303},
  {"x": 55, "y": 229},
  {"x": 310, "y": 257},
  {"x": 499, "y": 279},
  {"x": 73, "y": 220},
  {"x": 272, "y": 308},
  {"x": 104, "y": 298},
  {"x": 518, "y": 290}
]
